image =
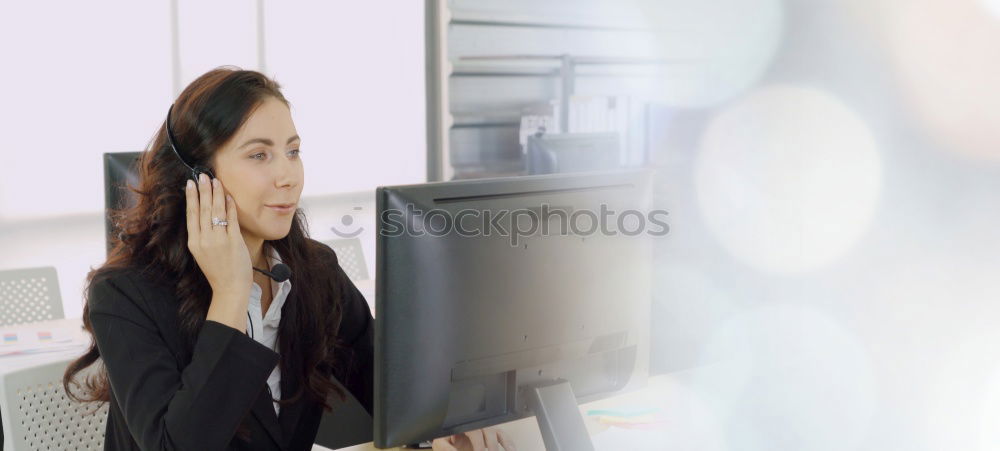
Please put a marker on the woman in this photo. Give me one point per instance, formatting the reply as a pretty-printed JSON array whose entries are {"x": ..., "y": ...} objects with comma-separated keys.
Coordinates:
[{"x": 199, "y": 350}]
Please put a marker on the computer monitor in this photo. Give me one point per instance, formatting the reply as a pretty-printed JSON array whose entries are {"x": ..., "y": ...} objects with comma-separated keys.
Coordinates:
[
  {"x": 476, "y": 328},
  {"x": 572, "y": 152},
  {"x": 120, "y": 171}
]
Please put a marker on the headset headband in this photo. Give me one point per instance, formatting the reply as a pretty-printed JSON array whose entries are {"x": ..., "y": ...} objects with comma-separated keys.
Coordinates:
[{"x": 195, "y": 170}]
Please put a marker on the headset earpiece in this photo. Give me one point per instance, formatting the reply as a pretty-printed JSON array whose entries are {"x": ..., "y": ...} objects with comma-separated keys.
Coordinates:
[{"x": 198, "y": 170}]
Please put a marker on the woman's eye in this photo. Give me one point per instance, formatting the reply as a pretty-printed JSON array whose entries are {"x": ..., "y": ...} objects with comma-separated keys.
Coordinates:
[
  {"x": 294, "y": 152},
  {"x": 258, "y": 156}
]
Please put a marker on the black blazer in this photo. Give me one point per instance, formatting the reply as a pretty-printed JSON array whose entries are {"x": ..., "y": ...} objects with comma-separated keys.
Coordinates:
[{"x": 167, "y": 396}]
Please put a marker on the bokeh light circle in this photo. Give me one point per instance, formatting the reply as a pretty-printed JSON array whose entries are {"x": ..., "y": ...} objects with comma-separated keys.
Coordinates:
[
  {"x": 796, "y": 379},
  {"x": 787, "y": 178},
  {"x": 947, "y": 61}
]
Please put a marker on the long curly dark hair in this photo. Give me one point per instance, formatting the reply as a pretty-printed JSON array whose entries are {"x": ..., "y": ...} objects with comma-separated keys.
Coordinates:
[{"x": 153, "y": 238}]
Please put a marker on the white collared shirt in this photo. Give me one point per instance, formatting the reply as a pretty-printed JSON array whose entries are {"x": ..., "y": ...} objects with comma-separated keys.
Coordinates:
[{"x": 264, "y": 328}]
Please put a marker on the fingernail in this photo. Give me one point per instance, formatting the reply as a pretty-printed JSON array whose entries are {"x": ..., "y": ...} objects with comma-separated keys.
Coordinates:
[
  {"x": 215, "y": 183},
  {"x": 203, "y": 178},
  {"x": 189, "y": 184}
]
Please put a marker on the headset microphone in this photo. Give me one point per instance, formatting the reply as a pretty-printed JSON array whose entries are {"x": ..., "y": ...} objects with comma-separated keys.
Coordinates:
[{"x": 279, "y": 273}]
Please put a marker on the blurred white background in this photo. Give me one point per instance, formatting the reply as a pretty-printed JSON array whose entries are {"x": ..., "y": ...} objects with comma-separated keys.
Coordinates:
[
  {"x": 835, "y": 253},
  {"x": 831, "y": 167}
]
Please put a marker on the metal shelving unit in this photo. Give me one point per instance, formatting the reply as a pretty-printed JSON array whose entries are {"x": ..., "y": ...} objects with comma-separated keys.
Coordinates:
[{"x": 485, "y": 67}]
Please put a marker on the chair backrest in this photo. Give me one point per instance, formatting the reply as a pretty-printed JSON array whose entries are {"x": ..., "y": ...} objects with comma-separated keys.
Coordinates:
[
  {"x": 351, "y": 257},
  {"x": 28, "y": 295},
  {"x": 37, "y": 414}
]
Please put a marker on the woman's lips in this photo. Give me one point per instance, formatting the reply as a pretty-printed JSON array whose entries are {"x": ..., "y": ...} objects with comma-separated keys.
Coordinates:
[{"x": 282, "y": 208}]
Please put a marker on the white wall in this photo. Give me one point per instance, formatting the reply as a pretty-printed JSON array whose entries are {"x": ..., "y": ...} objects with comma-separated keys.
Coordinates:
[{"x": 82, "y": 79}]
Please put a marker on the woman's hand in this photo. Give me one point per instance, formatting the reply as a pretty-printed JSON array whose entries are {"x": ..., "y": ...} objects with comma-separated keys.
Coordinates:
[
  {"x": 220, "y": 251},
  {"x": 491, "y": 439}
]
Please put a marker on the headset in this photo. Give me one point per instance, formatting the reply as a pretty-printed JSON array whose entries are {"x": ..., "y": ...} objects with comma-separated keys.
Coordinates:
[
  {"x": 280, "y": 272},
  {"x": 195, "y": 170}
]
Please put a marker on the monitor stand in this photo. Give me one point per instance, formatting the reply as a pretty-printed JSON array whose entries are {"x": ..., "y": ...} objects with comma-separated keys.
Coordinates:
[{"x": 559, "y": 417}]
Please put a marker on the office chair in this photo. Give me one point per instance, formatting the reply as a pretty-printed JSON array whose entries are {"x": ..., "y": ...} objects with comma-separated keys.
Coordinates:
[
  {"x": 37, "y": 415},
  {"x": 351, "y": 257},
  {"x": 28, "y": 295}
]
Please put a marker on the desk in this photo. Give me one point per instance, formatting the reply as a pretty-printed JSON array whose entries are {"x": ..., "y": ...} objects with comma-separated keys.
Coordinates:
[
  {"x": 81, "y": 341},
  {"x": 660, "y": 391}
]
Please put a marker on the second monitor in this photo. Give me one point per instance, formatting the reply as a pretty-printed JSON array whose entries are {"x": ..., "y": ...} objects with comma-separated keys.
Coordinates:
[{"x": 489, "y": 313}]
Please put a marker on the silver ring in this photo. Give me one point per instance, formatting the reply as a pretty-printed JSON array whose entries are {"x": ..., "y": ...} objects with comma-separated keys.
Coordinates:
[{"x": 219, "y": 222}]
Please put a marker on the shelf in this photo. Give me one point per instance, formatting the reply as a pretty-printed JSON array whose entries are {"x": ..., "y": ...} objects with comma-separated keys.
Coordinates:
[
  {"x": 490, "y": 60},
  {"x": 510, "y": 21},
  {"x": 577, "y": 60}
]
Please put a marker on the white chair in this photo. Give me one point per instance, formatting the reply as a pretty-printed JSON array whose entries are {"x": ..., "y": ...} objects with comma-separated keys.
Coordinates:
[
  {"x": 37, "y": 414},
  {"x": 28, "y": 295},
  {"x": 351, "y": 257}
]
